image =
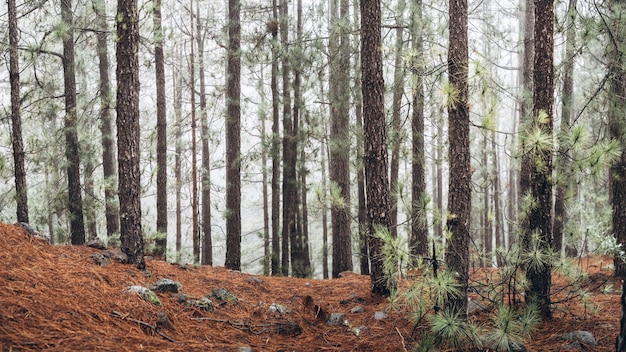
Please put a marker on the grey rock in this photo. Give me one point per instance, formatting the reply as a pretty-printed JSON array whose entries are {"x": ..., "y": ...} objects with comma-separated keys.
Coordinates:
[
  {"x": 584, "y": 337},
  {"x": 203, "y": 303},
  {"x": 245, "y": 349},
  {"x": 490, "y": 344},
  {"x": 336, "y": 319},
  {"x": 277, "y": 308},
  {"x": 254, "y": 280},
  {"x": 145, "y": 293},
  {"x": 359, "y": 330},
  {"x": 96, "y": 243},
  {"x": 380, "y": 315},
  {"x": 100, "y": 259},
  {"x": 357, "y": 309},
  {"x": 182, "y": 298},
  {"x": 574, "y": 346},
  {"x": 474, "y": 307},
  {"x": 116, "y": 254},
  {"x": 166, "y": 285},
  {"x": 26, "y": 226},
  {"x": 223, "y": 295},
  {"x": 147, "y": 273}
]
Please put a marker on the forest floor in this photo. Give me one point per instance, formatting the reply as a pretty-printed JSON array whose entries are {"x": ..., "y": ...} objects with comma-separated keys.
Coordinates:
[{"x": 57, "y": 298}]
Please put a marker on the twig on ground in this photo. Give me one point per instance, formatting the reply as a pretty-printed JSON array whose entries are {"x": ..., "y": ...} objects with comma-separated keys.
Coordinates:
[{"x": 142, "y": 323}]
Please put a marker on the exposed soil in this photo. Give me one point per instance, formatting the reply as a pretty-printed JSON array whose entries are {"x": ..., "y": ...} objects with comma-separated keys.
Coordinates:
[{"x": 56, "y": 298}]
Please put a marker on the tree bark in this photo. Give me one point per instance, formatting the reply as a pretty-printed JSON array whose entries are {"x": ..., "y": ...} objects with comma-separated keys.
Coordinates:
[
  {"x": 275, "y": 151},
  {"x": 21, "y": 195},
  {"x": 339, "y": 143},
  {"x": 72, "y": 154},
  {"x": 195, "y": 226},
  {"x": 375, "y": 138},
  {"x": 396, "y": 136},
  {"x": 233, "y": 139},
  {"x": 109, "y": 166},
  {"x": 418, "y": 242},
  {"x": 128, "y": 131},
  {"x": 459, "y": 187},
  {"x": 205, "y": 175},
  {"x": 539, "y": 217},
  {"x": 178, "y": 103},
  {"x": 161, "y": 176}
]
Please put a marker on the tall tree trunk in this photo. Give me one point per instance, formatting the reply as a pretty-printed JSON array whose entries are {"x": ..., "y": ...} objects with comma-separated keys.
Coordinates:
[
  {"x": 396, "y": 137},
  {"x": 233, "y": 139},
  {"x": 485, "y": 187},
  {"x": 617, "y": 125},
  {"x": 439, "y": 178},
  {"x": 178, "y": 104},
  {"x": 324, "y": 153},
  {"x": 539, "y": 230},
  {"x": 360, "y": 172},
  {"x": 300, "y": 263},
  {"x": 127, "y": 74},
  {"x": 161, "y": 176},
  {"x": 77, "y": 225},
  {"x": 418, "y": 241},
  {"x": 109, "y": 166},
  {"x": 275, "y": 151},
  {"x": 375, "y": 137},
  {"x": 21, "y": 195},
  {"x": 195, "y": 226},
  {"x": 90, "y": 199},
  {"x": 289, "y": 152},
  {"x": 339, "y": 168},
  {"x": 497, "y": 193},
  {"x": 563, "y": 180},
  {"x": 207, "y": 240},
  {"x": 459, "y": 187}
]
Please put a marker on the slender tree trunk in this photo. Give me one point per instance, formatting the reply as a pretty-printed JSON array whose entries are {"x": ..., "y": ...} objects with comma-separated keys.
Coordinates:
[
  {"x": 267, "y": 254},
  {"x": 161, "y": 182},
  {"x": 339, "y": 168},
  {"x": 459, "y": 188},
  {"x": 418, "y": 241},
  {"x": 396, "y": 137},
  {"x": 178, "y": 104},
  {"x": 275, "y": 152},
  {"x": 207, "y": 240},
  {"x": 109, "y": 167},
  {"x": 324, "y": 152},
  {"x": 289, "y": 152},
  {"x": 77, "y": 225},
  {"x": 439, "y": 166},
  {"x": 539, "y": 217},
  {"x": 485, "y": 222},
  {"x": 497, "y": 193},
  {"x": 195, "y": 226},
  {"x": 90, "y": 200},
  {"x": 233, "y": 139},
  {"x": 21, "y": 195},
  {"x": 128, "y": 131},
  {"x": 375, "y": 137},
  {"x": 363, "y": 223},
  {"x": 562, "y": 187},
  {"x": 617, "y": 125}
]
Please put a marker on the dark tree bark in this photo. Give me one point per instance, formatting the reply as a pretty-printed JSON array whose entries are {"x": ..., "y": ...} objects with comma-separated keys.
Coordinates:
[
  {"x": 617, "y": 126},
  {"x": 178, "y": 104},
  {"x": 459, "y": 187},
  {"x": 418, "y": 241},
  {"x": 539, "y": 217},
  {"x": 324, "y": 153},
  {"x": 21, "y": 195},
  {"x": 207, "y": 239},
  {"x": 339, "y": 169},
  {"x": 161, "y": 176},
  {"x": 275, "y": 151},
  {"x": 485, "y": 190},
  {"x": 375, "y": 138},
  {"x": 195, "y": 228},
  {"x": 396, "y": 136},
  {"x": 109, "y": 167},
  {"x": 233, "y": 139},
  {"x": 128, "y": 131},
  {"x": 267, "y": 254},
  {"x": 563, "y": 180},
  {"x": 497, "y": 193},
  {"x": 300, "y": 263},
  {"x": 289, "y": 152},
  {"x": 75, "y": 201}
]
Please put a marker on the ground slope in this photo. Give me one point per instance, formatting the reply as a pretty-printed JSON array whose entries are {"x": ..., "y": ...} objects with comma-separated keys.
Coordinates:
[{"x": 57, "y": 298}]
